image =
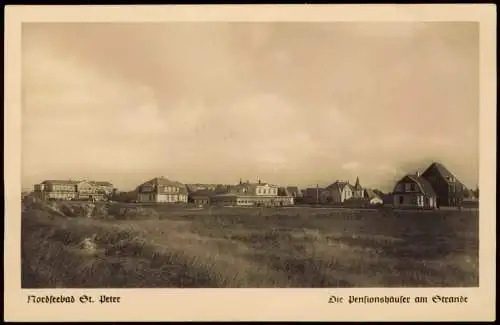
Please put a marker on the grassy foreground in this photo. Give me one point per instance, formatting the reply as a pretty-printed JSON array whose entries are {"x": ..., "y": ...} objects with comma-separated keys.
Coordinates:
[{"x": 249, "y": 247}]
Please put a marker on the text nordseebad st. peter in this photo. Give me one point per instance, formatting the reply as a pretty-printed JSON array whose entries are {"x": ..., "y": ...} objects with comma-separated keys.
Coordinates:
[{"x": 62, "y": 299}]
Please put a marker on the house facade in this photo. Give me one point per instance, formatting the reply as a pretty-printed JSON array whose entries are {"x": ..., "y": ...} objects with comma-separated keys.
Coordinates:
[
  {"x": 56, "y": 190},
  {"x": 414, "y": 191},
  {"x": 253, "y": 194},
  {"x": 162, "y": 190},
  {"x": 449, "y": 190},
  {"x": 338, "y": 192}
]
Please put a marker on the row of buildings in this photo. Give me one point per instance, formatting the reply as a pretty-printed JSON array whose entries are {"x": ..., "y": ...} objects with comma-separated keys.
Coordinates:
[
  {"x": 342, "y": 193},
  {"x": 433, "y": 188},
  {"x": 163, "y": 190}
]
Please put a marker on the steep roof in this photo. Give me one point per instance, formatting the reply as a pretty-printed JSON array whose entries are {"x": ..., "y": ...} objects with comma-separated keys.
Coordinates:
[
  {"x": 443, "y": 171},
  {"x": 357, "y": 185},
  {"x": 339, "y": 185},
  {"x": 162, "y": 181},
  {"x": 422, "y": 183}
]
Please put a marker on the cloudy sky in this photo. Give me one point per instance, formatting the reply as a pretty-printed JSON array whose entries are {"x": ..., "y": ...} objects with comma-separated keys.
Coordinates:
[{"x": 291, "y": 103}]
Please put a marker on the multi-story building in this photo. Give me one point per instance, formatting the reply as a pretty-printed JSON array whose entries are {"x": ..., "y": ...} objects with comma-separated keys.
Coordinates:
[
  {"x": 56, "y": 190},
  {"x": 162, "y": 190},
  {"x": 338, "y": 192},
  {"x": 67, "y": 190},
  {"x": 449, "y": 190}
]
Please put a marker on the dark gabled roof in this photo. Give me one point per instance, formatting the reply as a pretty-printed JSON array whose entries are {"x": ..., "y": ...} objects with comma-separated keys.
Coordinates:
[
  {"x": 162, "y": 181},
  {"x": 422, "y": 183},
  {"x": 339, "y": 185},
  {"x": 357, "y": 185},
  {"x": 443, "y": 171}
]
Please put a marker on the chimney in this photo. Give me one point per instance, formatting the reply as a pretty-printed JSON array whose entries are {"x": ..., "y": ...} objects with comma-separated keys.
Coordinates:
[
  {"x": 417, "y": 173},
  {"x": 241, "y": 182}
]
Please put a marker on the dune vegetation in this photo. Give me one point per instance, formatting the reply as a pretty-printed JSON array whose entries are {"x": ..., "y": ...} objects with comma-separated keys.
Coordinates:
[{"x": 80, "y": 245}]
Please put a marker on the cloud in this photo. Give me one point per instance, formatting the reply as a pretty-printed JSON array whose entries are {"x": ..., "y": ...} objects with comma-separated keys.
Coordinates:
[
  {"x": 351, "y": 165},
  {"x": 211, "y": 102}
]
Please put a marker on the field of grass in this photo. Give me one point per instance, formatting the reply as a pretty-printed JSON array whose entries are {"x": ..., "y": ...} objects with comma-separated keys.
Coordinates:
[{"x": 249, "y": 247}]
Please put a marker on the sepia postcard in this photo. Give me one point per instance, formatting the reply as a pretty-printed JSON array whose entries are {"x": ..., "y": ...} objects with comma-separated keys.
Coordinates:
[{"x": 250, "y": 162}]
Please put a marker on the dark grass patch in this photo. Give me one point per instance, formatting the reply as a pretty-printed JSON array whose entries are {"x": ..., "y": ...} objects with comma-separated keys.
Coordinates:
[
  {"x": 283, "y": 247},
  {"x": 52, "y": 258}
]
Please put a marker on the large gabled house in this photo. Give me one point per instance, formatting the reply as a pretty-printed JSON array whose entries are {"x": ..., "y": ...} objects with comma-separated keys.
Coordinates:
[
  {"x": 162, "y": 190},
  {"x": 449, "y": 190},
  {"x": 338, "y": 192},
  {"x": 250, "y": 194},
  {"x": 414, "y": 191}
]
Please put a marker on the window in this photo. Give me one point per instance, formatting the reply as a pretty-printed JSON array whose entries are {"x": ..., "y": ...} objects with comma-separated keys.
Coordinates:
[
  {"x": 401, "y": 199},
  {"x": 412, "y": 187}
]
